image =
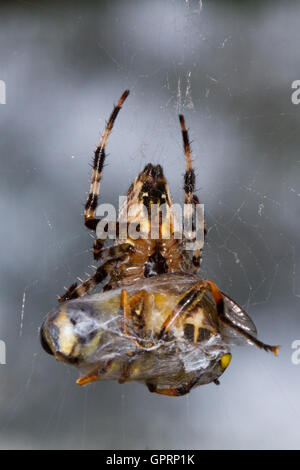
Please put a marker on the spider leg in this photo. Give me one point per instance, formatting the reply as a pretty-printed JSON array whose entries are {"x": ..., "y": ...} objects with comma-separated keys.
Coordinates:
[
  {"x": 219, "y": 300},
  {"x": 92, "y": 201},
  {"x": 189, "y": 186},
  {"x": 76, "y": 290},
  {"x": 98, "y": 247},
  {"x": 189, "y": 177},
  {"x": 115, "y": 253},
  {"x": 99, "y": 242}
]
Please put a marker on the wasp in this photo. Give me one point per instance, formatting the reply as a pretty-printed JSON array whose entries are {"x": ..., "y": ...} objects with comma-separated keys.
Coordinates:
[{"x": 154, "y": 320}]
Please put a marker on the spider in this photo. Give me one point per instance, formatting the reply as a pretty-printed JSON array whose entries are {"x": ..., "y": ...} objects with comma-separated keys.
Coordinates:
[
  {"x": 162, "y": 312},
  {"x": 131, "y": 260}
]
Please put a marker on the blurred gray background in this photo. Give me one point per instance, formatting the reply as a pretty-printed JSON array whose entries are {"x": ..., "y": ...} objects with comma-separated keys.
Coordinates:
[{"x": 228, "y": 66}]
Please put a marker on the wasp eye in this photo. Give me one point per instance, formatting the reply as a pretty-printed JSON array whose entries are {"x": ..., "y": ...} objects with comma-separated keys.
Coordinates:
[
  {"x": 44, "y": 342},
  {"x": 225, "y": 360}
]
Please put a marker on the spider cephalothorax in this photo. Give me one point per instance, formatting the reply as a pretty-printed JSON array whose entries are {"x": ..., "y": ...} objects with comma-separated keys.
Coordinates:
[{"x": 159, "y": 323}]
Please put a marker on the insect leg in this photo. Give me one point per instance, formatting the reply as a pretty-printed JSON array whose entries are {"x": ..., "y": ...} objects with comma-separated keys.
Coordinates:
[
  {"x": 94, "y": 375},
  {"x": 193, "y": 294},
  {"x": 99, "y": 158},
  {"x": 125, "y": 373},
  {"x": 135, "y": 299},
  {"x": 127, "y": 315},
  {"x": 218, "y": 297},
  {"x": 171, "y": 392}
]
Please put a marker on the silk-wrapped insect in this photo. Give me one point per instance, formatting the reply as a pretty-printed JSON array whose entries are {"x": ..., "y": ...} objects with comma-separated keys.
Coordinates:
[
  {"x": 154, "y": 320},
  {"x": 171, "y": 332}
]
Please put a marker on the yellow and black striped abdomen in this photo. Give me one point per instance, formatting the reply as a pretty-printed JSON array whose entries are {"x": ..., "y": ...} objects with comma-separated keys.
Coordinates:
[{"x": 89, "y": 333}]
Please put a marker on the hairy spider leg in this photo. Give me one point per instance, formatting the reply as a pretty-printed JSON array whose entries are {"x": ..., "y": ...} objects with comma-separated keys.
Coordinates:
[
  {"x": 115, "y": 254},
  {"x": 92, "y": 201},
  {"x": 189, "y": 185},
  {"x": 115, "y": 251}
]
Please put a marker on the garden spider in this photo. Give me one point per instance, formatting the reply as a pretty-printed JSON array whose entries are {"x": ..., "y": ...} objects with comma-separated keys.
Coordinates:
[
  {"x": 153, "y": 285},
  {"x": 131, "y": 260}
]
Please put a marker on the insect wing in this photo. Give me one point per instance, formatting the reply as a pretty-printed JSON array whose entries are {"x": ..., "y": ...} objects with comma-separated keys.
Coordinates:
[{"x": 238, "y": 317}]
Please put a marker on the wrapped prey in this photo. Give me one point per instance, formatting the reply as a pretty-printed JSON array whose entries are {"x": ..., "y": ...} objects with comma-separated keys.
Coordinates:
[{"x": 172, "y": 332}]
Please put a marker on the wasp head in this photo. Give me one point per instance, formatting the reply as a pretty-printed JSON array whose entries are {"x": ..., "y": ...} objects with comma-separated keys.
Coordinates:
[{"x": 70, "y": 332}]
